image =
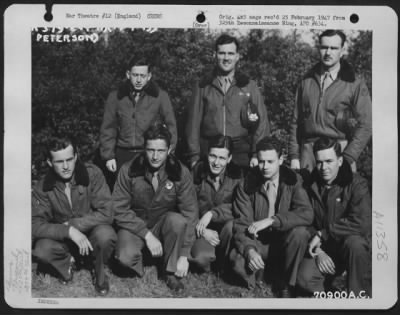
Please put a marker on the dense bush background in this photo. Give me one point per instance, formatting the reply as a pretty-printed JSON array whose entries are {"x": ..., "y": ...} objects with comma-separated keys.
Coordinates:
[{"x": 71, "y": 80}]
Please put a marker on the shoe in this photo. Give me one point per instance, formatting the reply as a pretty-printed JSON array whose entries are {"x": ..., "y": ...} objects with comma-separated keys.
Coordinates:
[
  {"x": 174, "y": 283},
  {"x": 70, "y": 277},
  {"x": 104, "y": 288}
]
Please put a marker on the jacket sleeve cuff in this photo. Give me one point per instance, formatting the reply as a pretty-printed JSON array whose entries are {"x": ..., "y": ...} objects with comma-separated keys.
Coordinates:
[
  {"x": 277, "y": 223},
  {"x": 247, "y": 249},
  {"x": 64, "y": 231},
  {"x": 348, "y": 157},
  {"x": 214, "y": 215},
  {"x": 324, "y": 235},
  {"x": 184, "y": 251},
  {"x": 142, "y": 233}
]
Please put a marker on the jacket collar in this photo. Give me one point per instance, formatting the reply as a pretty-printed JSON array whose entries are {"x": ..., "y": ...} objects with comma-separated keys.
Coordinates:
[
  {"x": 343, "y": 178},
  {"x": 254, "y": 179},
  {"x": 346, "y": 72},
  {"x": 173, "y": 168},
  {"x": 202, "y": 169},
  {"x": 240, "y": 78},
  {"x": 81, "y": 177},
  {"x": 126, "y": 89}
]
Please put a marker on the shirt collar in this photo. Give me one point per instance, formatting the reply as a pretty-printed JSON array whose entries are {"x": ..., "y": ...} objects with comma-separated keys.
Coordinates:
[
  {"x": 230, "y": 77},
  {"x": 161, "y": 173},
  {"x": 275, "y": 181},
  {"x": 211, "y": 179},
  {"x": 333, "y": 72}
]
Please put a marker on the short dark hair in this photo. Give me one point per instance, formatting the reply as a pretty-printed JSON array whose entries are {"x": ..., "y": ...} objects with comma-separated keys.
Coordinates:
[
  {"x": 269, "y": 143},
  {"x": 140, "y": 60},
  {"x": 330, "y": 33},
  {"x": 59, "y": 143},
  {"x": 157, "y": 130},
  {"x": 226, "y": 39},
  {"x": 221, "y": 142},
  {"x": 325, "y": 143}
]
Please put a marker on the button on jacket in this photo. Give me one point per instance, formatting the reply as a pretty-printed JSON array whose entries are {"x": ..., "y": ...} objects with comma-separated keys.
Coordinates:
[
  {"x": 125, "y": 122},
  {"x": 317, "y": 114},
  {"x": 138, "y": 207},
  {"x": 91, "y": 203},
  {"x": 212, "y": 112},
  {"x": 292, "y": 206}
]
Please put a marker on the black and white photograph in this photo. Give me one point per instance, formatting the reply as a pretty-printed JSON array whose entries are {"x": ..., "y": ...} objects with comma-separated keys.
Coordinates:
[{"x": 229, "y": 159}]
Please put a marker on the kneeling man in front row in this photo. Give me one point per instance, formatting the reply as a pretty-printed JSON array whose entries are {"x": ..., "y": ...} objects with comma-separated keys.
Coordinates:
[
  {"x": 156, "y": 208},
  {"x": 341, "y": 237},
  {"x": 272, "y": 211},
  {"x": 215, "y": 180},
  {"x": 71, "y": 215}
]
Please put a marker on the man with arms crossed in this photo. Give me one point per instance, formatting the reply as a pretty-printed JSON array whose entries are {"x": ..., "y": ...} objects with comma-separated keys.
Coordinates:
[
  {"x": 271, "y": 211},
  {"x": 330, "y": 102},
  {"x": 342, "y": 225},
  {"x": 215, "y": 180},
  {"x": 226, "y": 103},
  {"x": 71, "y": 214},
  {"x": 156, "y": 208},
  {"x": 130, "y": 111}
]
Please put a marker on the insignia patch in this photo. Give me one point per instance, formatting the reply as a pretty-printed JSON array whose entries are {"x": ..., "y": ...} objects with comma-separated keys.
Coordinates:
[
  {"x": 338, "y": 200},
  {"x": 243, "y": 93},
  {"x": 169, "y": 185}
]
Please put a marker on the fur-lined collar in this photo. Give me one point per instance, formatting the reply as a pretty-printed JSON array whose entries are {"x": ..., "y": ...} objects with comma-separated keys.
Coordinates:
[
  {"x": 126, "y": 89},
  {"x": 173, "y": 167},
  {"x": 202, "y": 169},
  {"x": 254, "y": 179},
  {"x": 241, "y": 79},
  {"x": 343, "y": 178},
  {"x": 346, "y": 72},
  {"x": 81, "y": 177}
]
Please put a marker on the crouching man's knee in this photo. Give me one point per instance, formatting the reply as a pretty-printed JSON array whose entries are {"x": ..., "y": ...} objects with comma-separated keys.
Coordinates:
[{"x": 45, "y": 249}]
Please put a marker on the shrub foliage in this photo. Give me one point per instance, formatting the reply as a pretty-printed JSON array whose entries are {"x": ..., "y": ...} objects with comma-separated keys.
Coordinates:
[{"x": 71, "y": 80}]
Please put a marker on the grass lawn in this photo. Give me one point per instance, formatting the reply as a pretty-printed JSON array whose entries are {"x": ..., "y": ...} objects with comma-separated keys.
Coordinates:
[{"x": 206, "y": 285}]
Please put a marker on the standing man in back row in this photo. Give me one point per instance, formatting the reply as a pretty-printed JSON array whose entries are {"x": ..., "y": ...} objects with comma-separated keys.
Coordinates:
[
  {"x": 226, "y": 103},
  {"x": 130, "y": 111},
  {"x": 330, "y": 102}
]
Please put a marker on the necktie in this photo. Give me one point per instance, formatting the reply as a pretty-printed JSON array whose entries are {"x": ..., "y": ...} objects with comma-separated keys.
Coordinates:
[
  {"x": 216, "y": 183},
  {"x": 135, "y": 97},
  {"x": 154, "y": 181},
  {"x": 227, "y": 85},
  {"x": 325, "y": 193},
  {"x": 326, "y": 81},
  {"x": 271, "y": 194},
  {"x": 68, "y": 193}
]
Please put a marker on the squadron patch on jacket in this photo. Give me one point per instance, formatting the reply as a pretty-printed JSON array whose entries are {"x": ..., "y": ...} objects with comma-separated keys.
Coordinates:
[{"x": 169, "y": 184}]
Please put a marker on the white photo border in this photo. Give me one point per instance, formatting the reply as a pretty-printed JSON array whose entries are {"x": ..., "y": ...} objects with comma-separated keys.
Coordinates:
[{"x": 382, "y": 21}]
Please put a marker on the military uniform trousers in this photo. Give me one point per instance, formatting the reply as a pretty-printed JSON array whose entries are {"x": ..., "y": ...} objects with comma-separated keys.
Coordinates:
[
  {"x": 203, "y": 253},
  {"x": 170, "y": 231},
  {"x": 58, "y": 254},
  {"x": 282, "y": 253},
  {"x": 352, "y": 255}
]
